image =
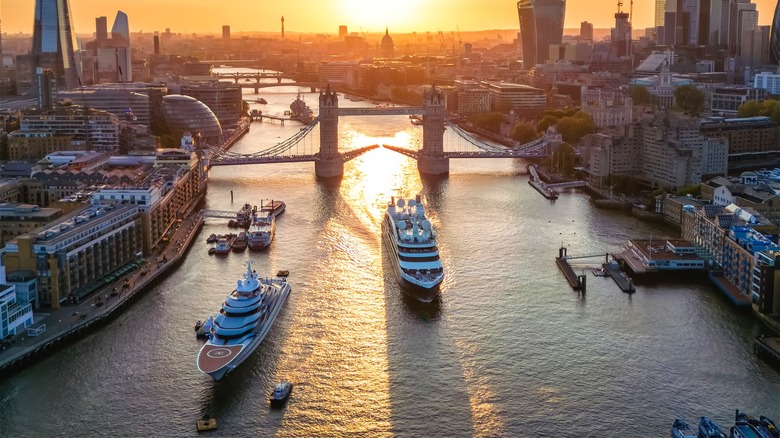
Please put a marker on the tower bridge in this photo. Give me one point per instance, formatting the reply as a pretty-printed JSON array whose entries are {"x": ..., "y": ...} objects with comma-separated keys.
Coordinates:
[{"x": 431, "y": 159}]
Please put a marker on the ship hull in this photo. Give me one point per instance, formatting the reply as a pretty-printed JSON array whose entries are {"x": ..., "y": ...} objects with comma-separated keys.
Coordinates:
[
  {"x": 425, "y": 292},
  {"x": 220, "y": 360}
]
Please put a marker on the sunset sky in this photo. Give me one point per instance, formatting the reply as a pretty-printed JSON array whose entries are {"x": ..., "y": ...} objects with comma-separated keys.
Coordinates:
[{"x": 324, "y": 16}]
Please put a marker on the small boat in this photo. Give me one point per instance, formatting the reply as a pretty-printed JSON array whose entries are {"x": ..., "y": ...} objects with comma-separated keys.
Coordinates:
[
  {"x": 281, "y": 394},
  {"x": 283, "y": 273},
  {"x": 212, "y": 250},
  {"x": 198, "y": 325},
  {"x": 224, "y": 244},
  {"x": 767, "y": 428},
  {"x": 710, "y": 429},
  {"x": 261, "y": 101},
  {"x": 600, "y": 272},
  {"x": 212, "y": 238},
  {"x": 206, "y": 423},
  {"x": 745, "y": 426},
  {"x": 240, "y": 243},
  {"x": 680, "y": 429}
]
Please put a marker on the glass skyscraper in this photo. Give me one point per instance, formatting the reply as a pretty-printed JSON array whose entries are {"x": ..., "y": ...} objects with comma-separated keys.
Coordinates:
[
  {"x": 774, "y": 41},
  {"x": 54, "y": 41},
  {"x": 541, "y": 24}
]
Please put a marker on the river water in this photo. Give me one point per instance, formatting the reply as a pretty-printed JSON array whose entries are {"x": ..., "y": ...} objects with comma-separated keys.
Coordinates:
[{"x": 510, "y": 349}]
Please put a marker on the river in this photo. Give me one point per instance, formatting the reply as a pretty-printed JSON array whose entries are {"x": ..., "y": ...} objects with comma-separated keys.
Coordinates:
[{"x": 509, "y": 350}]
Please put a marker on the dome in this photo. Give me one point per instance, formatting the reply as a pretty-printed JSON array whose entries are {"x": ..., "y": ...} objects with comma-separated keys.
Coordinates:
[
  {"x": 387, "y": 47},
  {"x": 185, "y": 113}
]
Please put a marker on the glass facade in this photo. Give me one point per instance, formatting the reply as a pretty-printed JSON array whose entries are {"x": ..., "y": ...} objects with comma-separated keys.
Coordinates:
[
  {"x": 541, "y": 24},
  {"x": 185, "y": 113},
  {"x": 774, "y": 43},
  {"x": 120, "y": 31},
  {"x": 54, "y": 40}
]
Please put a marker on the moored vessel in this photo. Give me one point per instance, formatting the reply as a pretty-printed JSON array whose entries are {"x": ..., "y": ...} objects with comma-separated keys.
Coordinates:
[
  {"x": 246, "y": 317},
  {"x": 224, "y": 244},
  {"x": 411, "y": 241},
  {"x": 274, "y": 207},
  {"x": 300, "y": 111},
  {"x": 262, "y": 231},
  {"x": 681, "y": 429},
  {"x": 241, "y": 242},
  {"x": 710, "y": 429}
]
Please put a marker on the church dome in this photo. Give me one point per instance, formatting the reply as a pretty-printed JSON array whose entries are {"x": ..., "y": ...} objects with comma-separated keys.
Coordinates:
[{"x": 387, "y": 47}]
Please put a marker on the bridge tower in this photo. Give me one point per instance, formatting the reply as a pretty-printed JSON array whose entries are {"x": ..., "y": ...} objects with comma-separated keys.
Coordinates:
[
  {"x": 431, "y": 160},
  {"x": 329, "y": 162}
]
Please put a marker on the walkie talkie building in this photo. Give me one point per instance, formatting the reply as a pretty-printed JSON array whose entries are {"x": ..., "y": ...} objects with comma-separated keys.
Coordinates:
[{"x": 541, "y": 24}]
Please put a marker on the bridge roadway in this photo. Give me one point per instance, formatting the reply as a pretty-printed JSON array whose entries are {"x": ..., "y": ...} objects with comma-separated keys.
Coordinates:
[{"x": 509, "y": 153}]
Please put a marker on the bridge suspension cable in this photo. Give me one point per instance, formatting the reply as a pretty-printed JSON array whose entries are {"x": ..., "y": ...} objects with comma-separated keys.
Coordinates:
[
  {"x": 537, "y": 146},
  {"x": 276, "y": 149}
]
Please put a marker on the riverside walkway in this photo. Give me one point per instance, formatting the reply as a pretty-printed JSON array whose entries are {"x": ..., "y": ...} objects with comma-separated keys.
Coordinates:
[{"x": 70, "y": 322}]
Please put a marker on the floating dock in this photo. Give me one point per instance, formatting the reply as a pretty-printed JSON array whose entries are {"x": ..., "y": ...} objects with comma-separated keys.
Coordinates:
[
  {"x": 768, "y": 348},
  {"x": 577, "y": 282},
  {"x": 547, "y": 193},
  {"x": 727, "y": 287},
  {"x": 621, "y": 279}
]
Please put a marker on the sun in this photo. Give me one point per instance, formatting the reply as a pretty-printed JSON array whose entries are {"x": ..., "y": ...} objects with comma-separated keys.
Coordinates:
[{"x": 375, "y": 15}]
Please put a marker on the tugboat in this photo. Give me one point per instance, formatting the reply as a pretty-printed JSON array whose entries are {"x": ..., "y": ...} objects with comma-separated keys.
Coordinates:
[
  {"x": 224, "y": 244},
  {"x": 281, "y": 394}
]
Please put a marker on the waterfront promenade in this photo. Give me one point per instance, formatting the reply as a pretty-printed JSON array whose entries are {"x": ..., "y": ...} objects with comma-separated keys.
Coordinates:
[{"x": 69, "y": 321}]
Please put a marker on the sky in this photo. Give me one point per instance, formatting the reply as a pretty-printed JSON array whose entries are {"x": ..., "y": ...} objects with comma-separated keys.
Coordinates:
[{"x": 324, "y": 16}]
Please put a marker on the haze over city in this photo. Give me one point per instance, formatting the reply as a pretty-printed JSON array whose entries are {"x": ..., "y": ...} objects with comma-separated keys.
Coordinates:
[{"x": 325, "y": 16}]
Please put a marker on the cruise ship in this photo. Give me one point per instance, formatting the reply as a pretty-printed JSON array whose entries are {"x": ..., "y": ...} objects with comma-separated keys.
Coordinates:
[
  {"x": 245, "y": 319},
  {"x": 412, "y": 242},
  {"x": 262, "y": 231}
]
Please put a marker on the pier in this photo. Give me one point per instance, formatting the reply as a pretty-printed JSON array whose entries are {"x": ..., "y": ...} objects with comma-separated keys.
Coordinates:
[
  {"x": 621, "y": 279},
  {"x": 768, "y": 348},
  {"x": 541, "y": 187},
  {"x": 727, "y": 287},
  {"x": 577, "y": 282},
  {"x": 72, "y": 322}
]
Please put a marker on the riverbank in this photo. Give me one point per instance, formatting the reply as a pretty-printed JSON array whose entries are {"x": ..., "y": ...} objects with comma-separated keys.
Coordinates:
[{"x": 71, "y": 322}]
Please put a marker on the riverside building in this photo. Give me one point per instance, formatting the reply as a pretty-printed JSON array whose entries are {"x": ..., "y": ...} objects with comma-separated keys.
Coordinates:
[
  {"x": 74, "y": 255},
  {"x": 96, "y": 130}
]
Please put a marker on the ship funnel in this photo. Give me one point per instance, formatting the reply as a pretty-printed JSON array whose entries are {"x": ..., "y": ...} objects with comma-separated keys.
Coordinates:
[
  {"x": 412, "y": 203},
  {"x": 401, "y": 203},
  {"x": 418, "y": 198}
]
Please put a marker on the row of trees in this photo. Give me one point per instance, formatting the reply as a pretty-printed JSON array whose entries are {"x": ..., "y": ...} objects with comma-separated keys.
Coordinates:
[
  {"x": 767, "y": 108},
  {"x": 572, "y": 124},
  {"x": 688, "y": 98}
]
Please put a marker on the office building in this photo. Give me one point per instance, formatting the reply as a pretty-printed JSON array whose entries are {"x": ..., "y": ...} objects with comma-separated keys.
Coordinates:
[
  {"x": 335, "y": 72},
  {"x": 187, "y": 114},
  {"x": 101, "y": 28},
  {"x": 224, "y": 99},
  {"x": 127, "y": 104},
  {"x": 621, "y": 35},
  {"x": 524, "y": 100},
  {"x": 752, "y": 141},
  {"x": 17, "y": 218},
  {"x": 15, "y": 314},
  {"x": 541, "y": 24},
  {"x": 754, "y": 48},
  {"x": 45, "y": 87},
  {"x": 120, "y": 31},
  {"x": 769, "y": 82},
  {"x": 726, "y": 100},
  {"x": 586, "y": 32},
  {"x": 471, "y": 97},
  {"x": 54, "y": 42},
  {"x": 90, "y": 128},
  {"x": 743, "y": 16},
  {"x": 660, "y": 6},
  {"x": 774, "y": 45},
  {"x": 34, "y": 145},
  {"x": 225, "y": 32},
  {"x": 343, "y": 32}
]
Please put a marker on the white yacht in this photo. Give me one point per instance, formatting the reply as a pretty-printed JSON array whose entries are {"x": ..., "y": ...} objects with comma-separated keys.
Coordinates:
[
  {"x": 244, "y": 320},
  {"x": 412, "y": 242}
]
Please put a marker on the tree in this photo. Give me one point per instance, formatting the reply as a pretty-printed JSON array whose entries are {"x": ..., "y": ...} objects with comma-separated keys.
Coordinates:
[
  {"x": 574, "y": 128},
  {"x": 547, "y": 121},
  {"x": 487, "y": 121},
  {"x": 524, "y": 133},
  {"x": 749, "y": 109},
  {"x": 690, "y": 99},
  {"x": 564, "y": 158},
  {"x": 640, "y": 95}
]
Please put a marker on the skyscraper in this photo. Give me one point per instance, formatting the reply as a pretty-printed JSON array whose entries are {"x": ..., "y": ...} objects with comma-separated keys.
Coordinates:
[
  {"x": 586, "y": 31},
  {"x": 660, "y": 6},
  {"x": 225, "y": 32},
  {"x": 774, "y": 41},
  {"x": 54, "y": 41},
  {"x": 120, "y": 32},
  {"x": 541, "y": 24},
  {"x": 101, "y": 28}
]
